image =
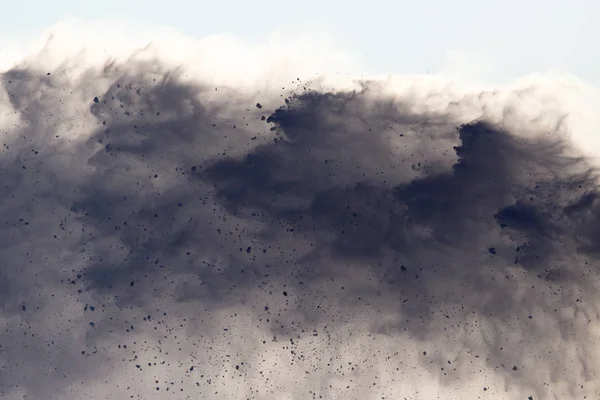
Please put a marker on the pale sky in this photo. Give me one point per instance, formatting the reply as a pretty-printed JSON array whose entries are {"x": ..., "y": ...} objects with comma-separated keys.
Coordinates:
[{"x": 508, "y": 38}]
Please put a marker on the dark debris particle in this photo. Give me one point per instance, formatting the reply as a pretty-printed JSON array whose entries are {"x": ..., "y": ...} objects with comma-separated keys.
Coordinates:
[
  {"x": 258, "y": 105},
  {"x": 492, "y": 250},
  {"x": 96, "y": 100}
]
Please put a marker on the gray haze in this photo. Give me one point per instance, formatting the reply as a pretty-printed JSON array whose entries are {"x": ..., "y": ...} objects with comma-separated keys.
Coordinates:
[{"x": 342, "y": 245}]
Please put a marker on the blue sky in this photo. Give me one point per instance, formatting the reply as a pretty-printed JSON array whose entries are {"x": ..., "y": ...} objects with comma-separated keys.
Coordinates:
[{"x": 515, "y": 37}]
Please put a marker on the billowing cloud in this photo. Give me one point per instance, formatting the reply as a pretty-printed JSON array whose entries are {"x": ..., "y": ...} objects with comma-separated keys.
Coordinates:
[{"x": 165, "y": 234}]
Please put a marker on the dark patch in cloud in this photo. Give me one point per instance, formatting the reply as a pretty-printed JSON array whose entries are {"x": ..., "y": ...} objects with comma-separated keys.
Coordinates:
[{"x": 346, "y": 209}]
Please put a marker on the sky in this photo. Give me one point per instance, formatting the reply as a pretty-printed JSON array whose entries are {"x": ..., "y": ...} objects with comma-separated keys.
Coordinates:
[{"x": 494, "y": 40}]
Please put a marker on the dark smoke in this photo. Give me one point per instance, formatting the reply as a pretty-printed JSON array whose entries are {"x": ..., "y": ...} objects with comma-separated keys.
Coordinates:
[{"x": 182, "y": 249}]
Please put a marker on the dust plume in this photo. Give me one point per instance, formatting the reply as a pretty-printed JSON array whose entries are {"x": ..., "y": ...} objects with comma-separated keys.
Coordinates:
[{"x": 171, "y": 229}]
